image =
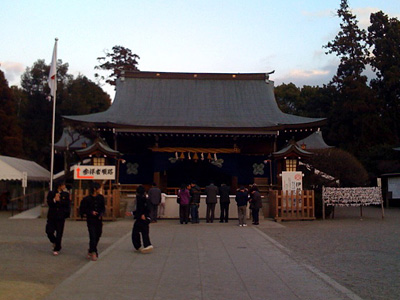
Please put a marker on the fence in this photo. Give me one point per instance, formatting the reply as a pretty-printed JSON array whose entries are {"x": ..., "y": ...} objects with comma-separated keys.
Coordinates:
[
  {"x": 287, "y": 206},
  {"x": 27, "y": 201},
  {"x": 112, "y": 202}
]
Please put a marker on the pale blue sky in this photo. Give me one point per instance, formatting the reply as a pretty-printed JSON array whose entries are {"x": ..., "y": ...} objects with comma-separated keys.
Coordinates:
[{"x": 181, "y": 36}]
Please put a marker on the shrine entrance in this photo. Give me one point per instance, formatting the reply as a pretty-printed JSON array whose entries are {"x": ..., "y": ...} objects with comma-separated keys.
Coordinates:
[{"x": 202, "y": 172}]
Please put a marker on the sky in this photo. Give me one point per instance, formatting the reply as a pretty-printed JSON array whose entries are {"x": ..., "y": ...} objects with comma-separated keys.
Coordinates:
[{"x": 203, "y": 36}]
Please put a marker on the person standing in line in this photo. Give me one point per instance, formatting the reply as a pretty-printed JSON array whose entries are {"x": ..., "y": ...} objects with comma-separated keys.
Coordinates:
[
  {"x": 211, "y": 201},
  {"x": 195, "y": 193},
  {"x": 184, "y": 196},
  {"x": 154, "y": 197},
  {"x": 255, "y": 204},
  {"x": 142, "y": 221},
  {"x": 241, "y": 201},
  {"x": 224, "y": 202},
  {"x": 93, "y": 207},
  {"x": 161, "y": 207},
  {"x": 59, "y": 209}
]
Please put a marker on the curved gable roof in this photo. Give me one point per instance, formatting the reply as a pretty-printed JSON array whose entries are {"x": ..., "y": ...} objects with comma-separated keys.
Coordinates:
[
  {"x": 314, "y": 141},
  {"x": 148, "y": 99}
]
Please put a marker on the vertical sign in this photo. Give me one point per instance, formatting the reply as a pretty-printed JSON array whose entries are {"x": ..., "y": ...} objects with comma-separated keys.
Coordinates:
[
  {"x": 24, "y": 179},
  {"x": 292, "y": 181}
]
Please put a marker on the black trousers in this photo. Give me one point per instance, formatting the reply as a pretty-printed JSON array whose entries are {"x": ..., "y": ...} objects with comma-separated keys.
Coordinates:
[
  {"x": 140, "y": 227},
  {"x": 153, "y": 211},
  {"x": 255, "y": 214},
  {"x": 184, "y": 213},
  {"x": 210, "y": 212},
  {"x": 54, "y": 231},
  {"x": 224, "y": 216},
  {"x": 95, "y": 228}
]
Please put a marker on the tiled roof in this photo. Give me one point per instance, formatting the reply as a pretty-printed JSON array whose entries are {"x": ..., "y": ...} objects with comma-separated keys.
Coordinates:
[{"x": 179, "y": 100}]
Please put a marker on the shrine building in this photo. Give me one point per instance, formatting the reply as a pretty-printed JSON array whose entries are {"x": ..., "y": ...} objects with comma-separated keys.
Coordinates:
[{"x": 173, "y": 128}]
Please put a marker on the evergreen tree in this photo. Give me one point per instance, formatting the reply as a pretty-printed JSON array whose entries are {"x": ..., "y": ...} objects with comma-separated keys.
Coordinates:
[
  {"x": 384, "y": 37},
  {"x": 10, "y": 131},
  {"x": 353, "y": 121},
  {"x": 120, "y": 59}
]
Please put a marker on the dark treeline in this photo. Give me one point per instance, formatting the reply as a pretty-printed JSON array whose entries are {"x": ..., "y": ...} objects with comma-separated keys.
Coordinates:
[{"x": 26, "y": 112}]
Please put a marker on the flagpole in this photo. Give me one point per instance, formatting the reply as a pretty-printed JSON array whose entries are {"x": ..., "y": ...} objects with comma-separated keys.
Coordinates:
[{"x": 53, "y": 68}]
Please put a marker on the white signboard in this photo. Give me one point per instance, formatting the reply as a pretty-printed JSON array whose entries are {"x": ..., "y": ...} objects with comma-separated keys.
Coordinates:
[
  {"x": 94, "y": 172},
  {"x": 394, "y": 187},
  {"x": 292, "y": 181},
  {"x": 24, "y": 179}
]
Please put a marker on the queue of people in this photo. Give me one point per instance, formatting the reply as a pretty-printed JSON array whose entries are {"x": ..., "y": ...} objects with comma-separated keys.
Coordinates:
[{"x": 188, "y": 198}]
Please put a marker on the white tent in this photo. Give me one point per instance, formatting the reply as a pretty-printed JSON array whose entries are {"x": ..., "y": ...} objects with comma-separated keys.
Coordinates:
[{"x": 12, "y": 168}]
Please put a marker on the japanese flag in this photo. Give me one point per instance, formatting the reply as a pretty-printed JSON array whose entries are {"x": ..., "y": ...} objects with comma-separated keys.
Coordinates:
[{"x": 52, "y": 80}]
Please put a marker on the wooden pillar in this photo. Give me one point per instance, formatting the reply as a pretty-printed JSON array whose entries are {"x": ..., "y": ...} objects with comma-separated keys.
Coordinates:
[
  {"x": 234, "y": 184},
  {"x": 157, "y": 178}
]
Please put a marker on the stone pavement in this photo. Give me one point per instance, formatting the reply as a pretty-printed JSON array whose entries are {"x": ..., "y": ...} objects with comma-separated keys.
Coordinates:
[{"x": 204, "y": 261}]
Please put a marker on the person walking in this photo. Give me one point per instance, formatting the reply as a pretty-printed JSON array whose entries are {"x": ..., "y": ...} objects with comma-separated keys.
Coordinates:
[
  {"x": 241, "y": 201},
  {"x": 184, "y": 200},
  {"x": 93, "y": 207},
  {"x": 154, "y": 198},
  {"x": 195, "y": 193},
  {"x": 59, "y": 209},
  {"x": 255, "y": 204},
  {"x": 142, "y": 220},
  {"x": 211, "y": 201},
  {"x": 224, "y": 202}
]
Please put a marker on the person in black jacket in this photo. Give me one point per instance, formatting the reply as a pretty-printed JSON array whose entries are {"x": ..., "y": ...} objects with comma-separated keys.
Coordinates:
[
  {"x": 195, "y": 195},
  {"x": 93, "y": 207},
  {"x": 142, "y": 221},
  {"x": 255, "y": 204},
  {"x": 224, "y": 201},
  {"x": 59, "y": 208},
  {"x": 241, "y": 201}
]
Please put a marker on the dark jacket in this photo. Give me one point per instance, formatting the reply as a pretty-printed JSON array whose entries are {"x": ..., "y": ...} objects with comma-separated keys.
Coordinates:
[
  {"x": 195, "y": 193},
  {"x": 58, "y": 209},
  {"x": 241, "y": 198},
  {"x": 255, "y": 200},
  {"x": 211, "y": 192},
  {"x": 154, "y": 195},
  {"x": 142, "y": 207},
  {"x": 224, "y": 191},
  {"x": 92, "y": 203}
]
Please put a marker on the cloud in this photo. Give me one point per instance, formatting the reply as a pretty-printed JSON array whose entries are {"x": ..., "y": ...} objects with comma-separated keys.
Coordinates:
[
  {"x": 319, "y": 13},
  {"x": 12, "y": 71},
  {"x": 312, "y": 77},
  {"x": 363, "y": 15}
]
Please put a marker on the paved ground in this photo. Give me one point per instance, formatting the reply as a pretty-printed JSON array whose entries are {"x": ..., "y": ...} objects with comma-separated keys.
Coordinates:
[{"x": 344, "y": 258}]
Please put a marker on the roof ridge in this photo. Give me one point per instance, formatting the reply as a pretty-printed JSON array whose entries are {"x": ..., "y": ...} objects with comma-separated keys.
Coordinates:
[{"x": 195, "y": 76}]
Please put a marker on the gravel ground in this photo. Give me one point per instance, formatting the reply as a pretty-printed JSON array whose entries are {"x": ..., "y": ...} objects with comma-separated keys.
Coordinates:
[{"x": 361, "y": 254}]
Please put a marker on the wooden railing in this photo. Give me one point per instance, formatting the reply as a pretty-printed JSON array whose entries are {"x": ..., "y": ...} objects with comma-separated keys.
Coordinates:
[
  {"x": 128, "y": 188},
  {"x": 292, "y": 206},
  {"x": 112, "y": 201}
]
